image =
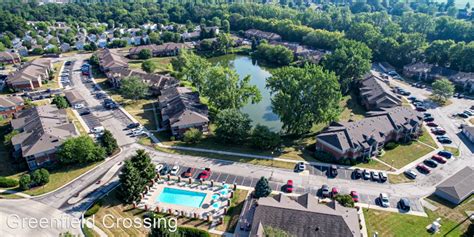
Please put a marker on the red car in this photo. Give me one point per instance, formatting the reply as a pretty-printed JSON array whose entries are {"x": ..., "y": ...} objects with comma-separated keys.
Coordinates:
[
  {"x": 355, "y": 196},
  {"x": 205, "y": 174},
  {"x": 438, "y": 131},
  {"x": 289, "y": 186},
  {"x": 432, "y": 124},
  {"x": 334, "y": 192},
  {"x": 423, "y": 169},
  {"x": 439, "y": 159}
]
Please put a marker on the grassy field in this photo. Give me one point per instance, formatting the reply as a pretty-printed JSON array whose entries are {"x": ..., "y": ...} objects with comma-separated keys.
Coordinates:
[
  {"x": 453, "y": 221},
  {"x": 427, "y": 139},
  {"x": 405, "y": 154},
  {"x": 73, "y": 118},
  {"x": 163, "y": 64},
  {"x": 453, "y": 150},
  {"x": 397, "y": 179},
  {"x": 232, "y": 217},
  {"x": 54, "y": 83},
  {"x": 373, "y": 164}
]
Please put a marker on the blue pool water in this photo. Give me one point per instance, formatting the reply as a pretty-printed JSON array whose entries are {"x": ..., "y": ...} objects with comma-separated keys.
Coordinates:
[{"x": 181, "y": 197}]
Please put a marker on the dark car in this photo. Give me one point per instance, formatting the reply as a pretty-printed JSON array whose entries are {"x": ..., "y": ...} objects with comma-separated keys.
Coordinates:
[
  {"x": 333, "y": 171},
  {"x": 430, "y": 163},
  {"x": 404, "y": 204},
  {"x": 438, "y": 131},
  {"x": 325, "y": 191},
  {"x": 188, "y": 173},
  {"x": 421, "y": 108},
  {"x": 84, "y": 111},
  {"x": 165, "y": 170},
  {"x": 463, "y": 115},
  {"x": 439, "y": 159},
  {"x": 432, "y": 124},
  {"x": 428, "y": 119},
  {"x": 133, "y": 125},
  {"x": 444, "y": 140},
  {"x": 357, "y": 173},
  {"x": 427, "y": 115},
  {"x": 423, "y": 169},
  {"x": 67, "y": 63},
  {"x": 445, "y": 154}
]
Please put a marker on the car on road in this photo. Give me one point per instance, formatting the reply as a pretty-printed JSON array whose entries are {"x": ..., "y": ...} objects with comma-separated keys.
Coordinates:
[
  {"x": 174, "y": 170},
  {"x": 366, "y": 174},
  {"x": 165, "y": 170},
  {"x": 404, "y": 204},
  {"x": 67, "y": 63},
  {"x": 432, "y": 124},
  {"x": 430, "y": 163},
  {"x": 375, "y": 176},
  {"x": 137, "y": 133},
  {"x": 289, "y": 186},
  {"x": 423, "y": 169},
  {"x": 158, "y": 167},
  {"x": 100, "y": 95},
  {"x": 410, "y": 174},
  {"x": 334, "y": 192},
  {"x": 133, "y": 125},
  {"x": 300, "y": 167},
  {"x": 333, "y": 171},
  {"x": 325, "y": 191},
  {"x": 205, "y": 174},
  {"x": 383, "y": 200},
  {"x": 427, "y": 115},
  {"x": 188, "y": 173},
  {"x": 355, "y": 196},
  {"x": 357, "y": 173},
  {"x": 438, "y": 159},
  {"x": 84, "y": 111},
  {"x": 468, "y": 112},
  {"x": 445, "y": 154},
  {"x": 383, "y": 176},
  {"x": 78, "y": 106},
  {"x": 428, "y": 119}
]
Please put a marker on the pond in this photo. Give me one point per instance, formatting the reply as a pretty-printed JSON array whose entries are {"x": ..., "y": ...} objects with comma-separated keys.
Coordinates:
[{"x": 260, "y": 113}]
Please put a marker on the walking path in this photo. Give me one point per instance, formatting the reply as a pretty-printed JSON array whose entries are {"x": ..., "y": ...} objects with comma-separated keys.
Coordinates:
[{"x": 18, "y": 193}]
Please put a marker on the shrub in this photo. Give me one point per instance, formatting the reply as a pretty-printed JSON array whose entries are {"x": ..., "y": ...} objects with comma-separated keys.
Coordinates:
[
  {"x": 8, "y": 183},
  {"x": 345, "y": 200},
  {"x": 189, "y": 231},
  {"x": 192, "y": 136},
  {"x": 25, "y": 182},
  {"x": 391, "y": 145},
  {"x": 40, "y": 177},
  {"x": 93, "y": 210}
]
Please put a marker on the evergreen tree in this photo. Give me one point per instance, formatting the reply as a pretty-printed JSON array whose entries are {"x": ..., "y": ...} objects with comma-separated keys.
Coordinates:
[
  {"x": 131, "y": 185},
  {"x": 262, "y": 188},
  {"x": 108, "y": 142},
  {"x": 142, "y": 162}
]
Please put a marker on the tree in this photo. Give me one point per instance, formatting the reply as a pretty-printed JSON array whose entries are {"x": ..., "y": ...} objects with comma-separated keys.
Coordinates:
[
  {"x": 262, "y": 188},
  {"x": 192, "y": 68},
  {"x": 226, "y": 26},
  {"x": 131, "y": 185},
  {"x": 345, "y": 200},
  {"x": 25, "y": 181},
  {"x": 149, "y": 66},
  {"x": 278, "y": 55},
  {"x": 37, "y": 51},
  {"x": 60, "y": 102},
  {"x": 192, "y": 136},
  {"x": 80, "y": 150},
  {"x": 452, "y": 11},
  {"x": 233, "y": 126},
  {"x": 94, "y": 60},
  {"x": 311, "y": 91},
  {"x": 263, "y": 138},
  {"x": 108, "y": 142},
  {"x": 226, "y": 91},
  {"x": 438, "y": 52},
  {"x": 142, "y": 161},
  {"x": 40, "y": 177},
  {"x": 145, "y": 54},
  {"x": 7, "y": 139},
  {"x": 133, "y": 87},
  {"x": 350, "y": 62},
  {"x": 442, "y": 89}
]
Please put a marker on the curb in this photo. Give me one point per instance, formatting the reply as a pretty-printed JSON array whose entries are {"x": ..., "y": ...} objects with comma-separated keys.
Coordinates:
[{"x": 80, "y": 176}]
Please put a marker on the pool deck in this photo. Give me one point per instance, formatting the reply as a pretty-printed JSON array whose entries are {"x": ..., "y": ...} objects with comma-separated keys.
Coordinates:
[{"x": 150, "y": 199}]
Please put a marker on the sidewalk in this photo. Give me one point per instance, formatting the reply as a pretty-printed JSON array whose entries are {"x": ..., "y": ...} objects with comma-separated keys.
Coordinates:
[{"x": 18, "y": 193}]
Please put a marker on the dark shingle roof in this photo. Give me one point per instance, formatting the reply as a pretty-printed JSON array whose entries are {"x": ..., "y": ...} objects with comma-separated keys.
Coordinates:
[
  {"x": 182, "y": 106},
  {"x": 305, "y": 217},
  {"x": 378, "y": 93}
]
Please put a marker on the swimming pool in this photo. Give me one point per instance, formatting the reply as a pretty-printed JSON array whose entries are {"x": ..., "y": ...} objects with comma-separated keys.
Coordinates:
[{"x": 181, "y": 197}]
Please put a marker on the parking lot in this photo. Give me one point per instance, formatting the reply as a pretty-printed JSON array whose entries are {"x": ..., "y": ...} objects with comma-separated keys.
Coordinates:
[
  {"x": 342, "y": 173},
  {"x": 223, "y": 177}
]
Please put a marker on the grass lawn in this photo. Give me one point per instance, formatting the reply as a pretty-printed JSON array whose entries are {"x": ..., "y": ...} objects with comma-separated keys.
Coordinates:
[
  {"x": 427, "y": 139},
  {"x": 352, "y": 109},
  {"x": 163, "y": 64},
  {"x": 453, "y": 221},
  {"x": 451, "y": 149},
  {"x": 232, "y": 217},
  {"x": 41, "y": 102},
  {"x": 373, "y": 164},
  {"x": 471, "y": 120},
  {"x": 54, "y": 83},
  {"x": 73, "y": 118},
  {"x": 405, "y": 154}
]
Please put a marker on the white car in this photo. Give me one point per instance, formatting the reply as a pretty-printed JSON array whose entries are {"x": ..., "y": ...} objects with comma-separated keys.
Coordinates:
[
  {"x": 78, "y": 106},
  {"x": 410, "y": 173},
  {"x": 300, "y": 167},
  {"x": 174, "y": 170},
  {"x": 383, "y": 198},
  {"x": 158, "y": 167},
  {"x": 138, "y": 133}
]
